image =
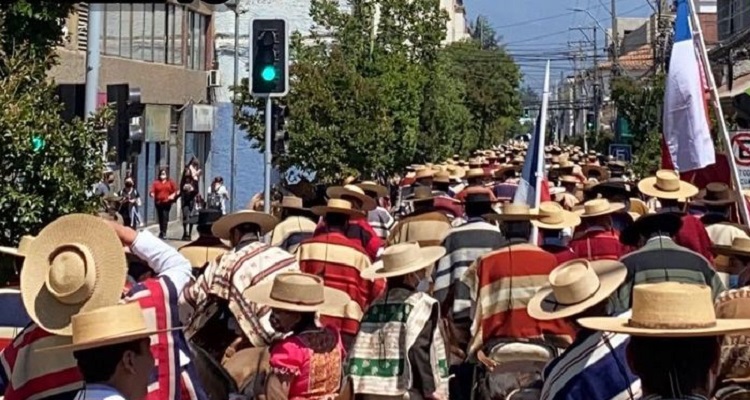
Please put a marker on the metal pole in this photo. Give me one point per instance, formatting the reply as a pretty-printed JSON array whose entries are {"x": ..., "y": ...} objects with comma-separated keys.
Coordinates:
[
  {"x": 267, "y": 169},
  {"x": 596, "y": 86},
  {"x": 93, "y": 61},
  {"x": 233, "y": 151},
  {"x": 615, "y": 37}
]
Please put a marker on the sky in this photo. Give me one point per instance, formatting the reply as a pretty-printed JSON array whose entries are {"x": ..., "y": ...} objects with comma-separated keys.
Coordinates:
[{"x": 534, "y": 30}]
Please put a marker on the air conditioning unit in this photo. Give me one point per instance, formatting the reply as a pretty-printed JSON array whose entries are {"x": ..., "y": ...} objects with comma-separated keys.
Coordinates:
[{"x": 214, "y": 78}]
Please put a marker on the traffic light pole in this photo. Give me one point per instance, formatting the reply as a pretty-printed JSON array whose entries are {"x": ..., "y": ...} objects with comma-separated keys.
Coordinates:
[{"x": 268, "y": 158}]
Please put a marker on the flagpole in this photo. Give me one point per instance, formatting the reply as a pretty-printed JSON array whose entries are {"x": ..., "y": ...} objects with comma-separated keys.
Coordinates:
[
  {"x": 716, "y": 102},
  {"x": 540, "y": 150}
]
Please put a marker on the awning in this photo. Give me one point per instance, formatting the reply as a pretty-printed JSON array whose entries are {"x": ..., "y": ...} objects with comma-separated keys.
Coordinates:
[{"x": 739, "y": 86}]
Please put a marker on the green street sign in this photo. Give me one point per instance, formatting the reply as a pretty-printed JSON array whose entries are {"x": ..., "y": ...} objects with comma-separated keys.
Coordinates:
[{"x": 37, "y": 143}]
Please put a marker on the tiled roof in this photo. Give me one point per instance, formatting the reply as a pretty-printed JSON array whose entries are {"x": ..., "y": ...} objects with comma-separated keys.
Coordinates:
[{"x": 639, "y": 59}]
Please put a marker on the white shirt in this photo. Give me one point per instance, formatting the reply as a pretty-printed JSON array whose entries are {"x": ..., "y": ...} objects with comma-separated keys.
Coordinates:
[{"x": 98, "y": 392}]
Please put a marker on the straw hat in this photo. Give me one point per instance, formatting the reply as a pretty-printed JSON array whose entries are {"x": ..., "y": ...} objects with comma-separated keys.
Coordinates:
[
  {"x": 76, "y": 264},
  {"x": 421, "y": 193},
  {"x": 553, "y": 216},
  {"x": 716, "y": 194},
  {"x": 372, "y": 186},
  {"x": 474, "y": 173},
  {"x": 23, "y": 247},
  {"x": 339, "y": 192},
  {"x": 740, "y": 247},
  {"x": 223, "y": 226},
  {"x": 514, "y": 212},
  {"x": 598, "y": 207},
  {"x": 442, "y": 177},
  {"x": 504, "y": 171},
  {"x": 456, "y": 172},
  {"x": 575, "y": 286},
  {"x": 569, "y": 179},
  {"x": 402, "y": 259},
  {"x": 339, "y": 206},
  {"x": 296, "y": 291},
  {"x": 292, "y": 202},
  {"x": 669, "y": 309},
  {"x": 424, "y": 173},
  {"x": 106, "y": 326},
  {"x": 667, "y": 222},
  {"x": 603, "y": 172},
  {"x": 666, "y": 184}
]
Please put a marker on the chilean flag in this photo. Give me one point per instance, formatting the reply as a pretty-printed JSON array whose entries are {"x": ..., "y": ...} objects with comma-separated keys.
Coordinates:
[{"x": 686, "y": 131}]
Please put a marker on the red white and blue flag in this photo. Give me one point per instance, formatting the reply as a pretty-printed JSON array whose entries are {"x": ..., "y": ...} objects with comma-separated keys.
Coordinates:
[{"x": 686, "y": 131}]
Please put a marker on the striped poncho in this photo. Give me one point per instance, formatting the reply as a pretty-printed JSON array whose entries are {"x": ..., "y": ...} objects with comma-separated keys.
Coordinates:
[{"x": 381, "y": 221}]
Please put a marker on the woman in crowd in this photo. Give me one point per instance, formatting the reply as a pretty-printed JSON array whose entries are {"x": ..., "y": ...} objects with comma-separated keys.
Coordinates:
[{"x": 164, "y": 192}]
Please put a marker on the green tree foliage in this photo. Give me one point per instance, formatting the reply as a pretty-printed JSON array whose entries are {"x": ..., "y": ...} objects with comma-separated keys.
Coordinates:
[
  {"x": 369, "y": 95},
  {"x": 483, "y": 33},
  {"x": 48, "y": 167},
  {"x": 494, "y": 98},
  {"x": 640, "y": 103}
]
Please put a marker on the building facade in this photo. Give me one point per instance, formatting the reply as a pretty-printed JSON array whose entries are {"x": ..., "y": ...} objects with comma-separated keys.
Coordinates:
[{"x": 165, "y": 50}]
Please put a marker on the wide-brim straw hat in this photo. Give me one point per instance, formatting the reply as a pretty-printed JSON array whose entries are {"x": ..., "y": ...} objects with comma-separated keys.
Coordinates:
[
  {"x": 716, "y": 194},
  {"x": 552, "y": 216},
  {"x": 598, "y": 207},
  {"x": 338, "y": 206},
  {"x": 372, "y": 186},
  {"x": 604, "y": 172},
  {"x": 669, "y": 309},
  {"x": 666, "y": 184},
  {"x": 504, "y": 170},
  {"x": 740, "y": 247},
  {"x": 514, "y": 212},
  {"x": 666, "y": 222},
  {"x": 75, "y": 264},
  {"x": 424, "y": 173},
  {"x": 402, "y": 259},
  {"x": 296, "y": 291},
  {"x": 224, "y": 226},
  {"x": 23, "y": 246},
  {"x": 107, "y": 326},
  {"x": 353, "y": 191},
  {"x": 474, "y": 173},
  {"x": 575, "y": 286},
  {"x": 421, "y": 193},
  {"x": 292, "y": 203}
]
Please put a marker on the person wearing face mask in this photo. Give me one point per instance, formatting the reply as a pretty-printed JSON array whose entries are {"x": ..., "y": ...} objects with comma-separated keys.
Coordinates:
[
  {"x": 402, "y": 324},
  {"x": 307, "y": 363},
  {"x": 164, "y": 192},
  {"x": 129, "y": 203}
]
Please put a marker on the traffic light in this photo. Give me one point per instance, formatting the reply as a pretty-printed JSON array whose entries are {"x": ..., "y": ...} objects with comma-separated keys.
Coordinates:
[
  {"x": 280, "y": 142},
  {"x": 125, "y": 135},
  {"x": 269, "y": 47}
]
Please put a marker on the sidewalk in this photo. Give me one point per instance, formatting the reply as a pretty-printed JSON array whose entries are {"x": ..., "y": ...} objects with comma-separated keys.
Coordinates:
[{"x": 174, "y": 233}]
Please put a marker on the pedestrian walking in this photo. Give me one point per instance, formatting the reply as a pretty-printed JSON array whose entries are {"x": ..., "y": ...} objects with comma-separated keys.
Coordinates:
[
  {"x": 218, "y": 195},
  {"x": 164, "y": 192},
  {"x": 188, "y": 196},
  {"x": 130, "y": 200}
]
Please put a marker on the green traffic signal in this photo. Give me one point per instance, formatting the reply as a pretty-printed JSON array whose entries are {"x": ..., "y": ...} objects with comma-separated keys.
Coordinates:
[
  {"x": 37, "y": 143},
  {"x": 268, "y": 73}
]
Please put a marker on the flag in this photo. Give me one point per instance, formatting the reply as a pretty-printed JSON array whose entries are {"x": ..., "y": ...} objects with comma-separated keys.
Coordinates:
[
  {"x": 686, "y": 131},
  {"x": 530, "y": 183}
]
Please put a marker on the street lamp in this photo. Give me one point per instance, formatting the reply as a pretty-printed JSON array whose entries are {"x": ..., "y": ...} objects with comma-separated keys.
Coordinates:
[
  {"x": 234, "y": 6},
  {"x": 612, "y": 39}
]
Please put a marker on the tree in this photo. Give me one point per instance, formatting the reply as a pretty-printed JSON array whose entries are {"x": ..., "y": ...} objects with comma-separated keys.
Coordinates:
[
  {"x": 493, "y": 97},
  {"x": 48, "y": 167},
  {"x": 639, "y": 102},
  {"x": 483, "y": 33},
  {"x": 367, "y": 101}
]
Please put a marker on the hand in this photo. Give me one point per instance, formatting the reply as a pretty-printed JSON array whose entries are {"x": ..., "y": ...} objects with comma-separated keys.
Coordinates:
[{"x": 125, "y": 234}]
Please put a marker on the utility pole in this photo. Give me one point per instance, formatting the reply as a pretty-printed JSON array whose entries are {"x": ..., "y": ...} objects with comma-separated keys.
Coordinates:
[
  {"x": 615, "y": 40},
  {"x": 93, "y": 62},
  {"x": 596, "y": 88}
]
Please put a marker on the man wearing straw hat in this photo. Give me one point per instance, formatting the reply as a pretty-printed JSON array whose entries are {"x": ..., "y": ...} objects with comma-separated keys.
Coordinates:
[
  {"x": 338, "y": 259},
  {"x": 675, "y": 338},
  {"x": 597, "y": 239},
  {"x": 734, "y": 374},
  {"x": 426, "y": 225},
  {"x": 718, "y": 198},
  {"x": 553, "y": 219},
  {"x": 594, "y": 367},
  {"x": 295, "y": 225},
  {"x": 358, "y": 228},
  {"x": 207, "y": 248},
  {"x": 654, "y": 235},
  {"x": 220, "y": 288},
  {"x": 669, "y": 190},
  {"x": 399, "y": 351},
  {"x": 500, "y": 280},
  {"x": 111, "y": 347},
  {"x": 77, "y": 264},
  {"x": 379, "y": 218}
]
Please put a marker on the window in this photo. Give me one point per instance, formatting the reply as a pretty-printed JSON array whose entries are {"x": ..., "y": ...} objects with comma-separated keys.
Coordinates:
[
  {"x": 178, "y": 34},
  {"x": 138, "y": 38},
  {"x": 202, "y": 38},
  {"x": 196, "y": 46},
  {"x": 126, "y": 45},
  {"x": 160, "y": 33},
  {"x": 112, "y": 29}
]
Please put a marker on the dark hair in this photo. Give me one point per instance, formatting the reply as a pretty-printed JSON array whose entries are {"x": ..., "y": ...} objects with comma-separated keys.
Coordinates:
[
  {"x": 307, "y": 320},
  {"x": 673, "y": 366},
  {"x": 218, "y": 179},
  {"x": 517, "y": 229},
  {"x": 441, "y": 186},
  {"x": 550, "y": 233},
  {"x": 164, "y": 170},
  {"x": 477, "y": 209},
  {"x": 99, "y": 364},
  {"x": 336, "y": 219},
  {"x": 204, "y": 229},
  {"x": 247, "y": 228}
]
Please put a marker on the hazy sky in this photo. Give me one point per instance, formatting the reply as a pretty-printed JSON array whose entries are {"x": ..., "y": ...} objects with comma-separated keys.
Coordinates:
[{"x": 535, "y": 30}]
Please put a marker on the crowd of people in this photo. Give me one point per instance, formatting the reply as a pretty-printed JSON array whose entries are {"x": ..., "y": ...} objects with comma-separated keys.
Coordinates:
[{"x": 444, "y": 288}]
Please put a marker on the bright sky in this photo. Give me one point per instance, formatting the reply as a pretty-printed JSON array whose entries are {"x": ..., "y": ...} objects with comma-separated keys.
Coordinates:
[{"x": 534, "y": 30}]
